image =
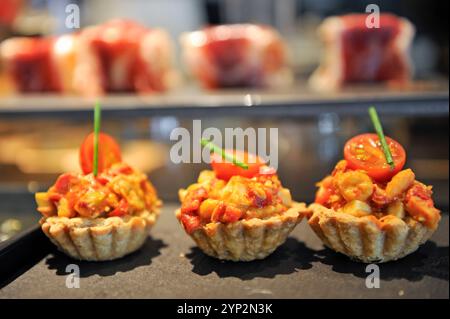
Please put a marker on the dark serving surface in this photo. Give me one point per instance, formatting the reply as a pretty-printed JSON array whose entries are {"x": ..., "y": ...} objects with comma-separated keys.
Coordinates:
[{"x": 169, "y": 266}]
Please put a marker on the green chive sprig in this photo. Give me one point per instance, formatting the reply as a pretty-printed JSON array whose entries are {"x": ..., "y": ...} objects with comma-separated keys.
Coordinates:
[
  {"x": 229, "y": 157},
  {"x": 97, "y": 120},
  {"x": 379, "y": 129}
]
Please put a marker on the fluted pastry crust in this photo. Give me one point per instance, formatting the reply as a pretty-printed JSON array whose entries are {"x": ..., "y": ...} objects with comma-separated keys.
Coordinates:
[
  {"x": 362, "y": 239},
  {"x": 99, "y": 239},
  {"x": 247, "y": 240}
]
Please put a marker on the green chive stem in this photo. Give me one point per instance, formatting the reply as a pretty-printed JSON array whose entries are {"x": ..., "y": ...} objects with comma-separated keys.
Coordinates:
[
  {"x": 97, "y": 120},
  {"x": 229, "y": 157},
  {"x": 379, "y": 129}
]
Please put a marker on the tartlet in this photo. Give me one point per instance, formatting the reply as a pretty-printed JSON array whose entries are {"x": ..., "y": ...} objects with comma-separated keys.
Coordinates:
[
  {"x": 101, "y": 217},
  {"x": 239, "y": 218},
  {"x": 372, "y": 217}
]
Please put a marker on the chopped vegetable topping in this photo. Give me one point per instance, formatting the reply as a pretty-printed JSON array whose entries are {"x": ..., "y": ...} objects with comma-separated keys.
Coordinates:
[
  {"x": 117, "y": 191},
  {"x": 356, "y": 193},
  {"x": 214, "y": 199}
]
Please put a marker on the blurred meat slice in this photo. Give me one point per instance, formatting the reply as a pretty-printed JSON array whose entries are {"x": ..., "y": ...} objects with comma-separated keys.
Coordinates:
[
  {"x": 241, "y": 55},
  {"x": 123, "y": 56},
  {"x": 357, "y": 53},
  {"x": 118, "y": 56},
  {"x": 29, "y": 64}
]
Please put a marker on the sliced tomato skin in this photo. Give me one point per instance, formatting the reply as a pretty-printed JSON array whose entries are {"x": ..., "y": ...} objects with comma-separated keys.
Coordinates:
[
  {"x": 225, "y": 170},
  {"x": 108, "y": 153},
  {"x": 370, "y": 157}
]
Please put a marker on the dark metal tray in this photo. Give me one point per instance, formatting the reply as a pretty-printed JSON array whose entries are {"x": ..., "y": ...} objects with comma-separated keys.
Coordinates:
[{"x": 170, "y": 266}]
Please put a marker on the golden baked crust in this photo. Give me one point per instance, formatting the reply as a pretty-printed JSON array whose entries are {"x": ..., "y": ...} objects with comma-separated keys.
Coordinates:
[
  {"x": 362, "y": 239},
  {"x": 99, "y": 239},
  {"x": 250, "y": 239}
]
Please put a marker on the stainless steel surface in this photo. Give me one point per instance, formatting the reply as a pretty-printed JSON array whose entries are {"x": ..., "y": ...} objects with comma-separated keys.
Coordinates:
[{"x": 428, "y": 98}]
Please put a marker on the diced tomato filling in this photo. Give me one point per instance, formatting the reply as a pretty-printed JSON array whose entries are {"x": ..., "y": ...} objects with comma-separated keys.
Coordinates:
[
  {"x": 103, "y": 180},
  {"x": 423, "y": 211},
  {"x": 116, "y": 192},
  {"x": 55, "y": 197},
  {"x": 218, "y": 212},
  {"x": 125, "y": 169},
  {"x": 379, "y": 197},
  {"x": 420, "y": 205},
  {"x": 325, "y": 190},
  {"x": 190, "y": 222},
  {"x": 190, "y": 206},
  {"x": 340, "y": 167},
  {"x": 121, "y": 210},
  {"x": 193, "y": 202},
  {"x": 64, "y": 183},
  {"x": 359, "y": 189},
  {"x": 420, "y": 192},
  {"x": 322, "y": 195},
  {"x": 216, "y": 200},
  {"x": 260, "y": 201},
  {"x": 73, "y": 199},
  {"x": 231, "y": 215}
]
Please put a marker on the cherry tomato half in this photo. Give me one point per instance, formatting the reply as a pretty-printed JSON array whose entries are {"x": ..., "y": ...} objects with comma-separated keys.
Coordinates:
[
  {"x": 108, "y": 153},
  {"x": 225, "y": 170},
  {"x": 364, "y": 152}
]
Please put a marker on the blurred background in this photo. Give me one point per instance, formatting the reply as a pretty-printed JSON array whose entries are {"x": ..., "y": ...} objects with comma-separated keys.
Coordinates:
[
  {"x": 296, "y": 20},
  {"x": 37, "y": 146}
]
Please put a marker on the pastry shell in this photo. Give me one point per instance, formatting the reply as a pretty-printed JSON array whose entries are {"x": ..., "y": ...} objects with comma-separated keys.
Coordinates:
[
  {"x": 247, "y": 240},
  {"x": 361, "y": 239},
  {"x": 99, "y": 239}
]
